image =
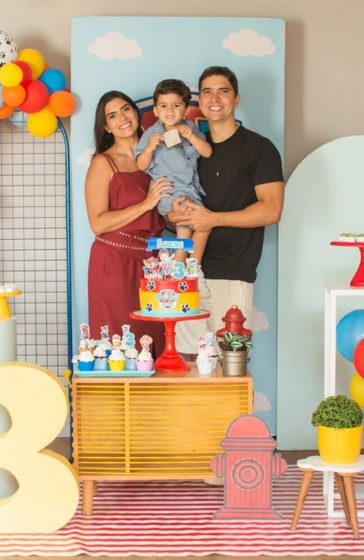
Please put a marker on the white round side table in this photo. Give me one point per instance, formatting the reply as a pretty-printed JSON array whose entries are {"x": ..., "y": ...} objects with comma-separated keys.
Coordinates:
[{"x": 344, "y": 476}]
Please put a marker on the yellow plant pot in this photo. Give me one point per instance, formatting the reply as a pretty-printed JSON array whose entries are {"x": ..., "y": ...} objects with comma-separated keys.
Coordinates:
[{"x": 339, "y": 446}]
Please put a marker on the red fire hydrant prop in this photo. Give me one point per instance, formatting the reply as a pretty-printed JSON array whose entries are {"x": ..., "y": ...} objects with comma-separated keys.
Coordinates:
[
  {"x": 234, "y": 321},
  {"x": 248, "y": 465}
]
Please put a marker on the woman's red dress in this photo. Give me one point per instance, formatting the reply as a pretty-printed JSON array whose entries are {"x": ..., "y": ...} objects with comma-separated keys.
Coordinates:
[{"x": 116, "y": 263}]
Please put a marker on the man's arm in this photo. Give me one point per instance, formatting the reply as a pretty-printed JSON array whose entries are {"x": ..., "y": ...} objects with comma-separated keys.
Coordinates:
[{"x": 267, "y": 210}]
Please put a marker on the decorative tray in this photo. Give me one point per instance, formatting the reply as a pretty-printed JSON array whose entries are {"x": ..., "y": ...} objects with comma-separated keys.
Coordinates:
[{"x": 110, "y": 373}]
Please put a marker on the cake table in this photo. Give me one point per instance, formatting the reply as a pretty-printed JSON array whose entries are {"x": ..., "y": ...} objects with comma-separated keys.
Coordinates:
[
  {"x": 165, "y": 427},
  {"x": 170, "y": 360}
]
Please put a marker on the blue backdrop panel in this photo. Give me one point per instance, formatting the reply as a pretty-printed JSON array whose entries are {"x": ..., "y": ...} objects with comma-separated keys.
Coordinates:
[{"x": 133, "y": 54}]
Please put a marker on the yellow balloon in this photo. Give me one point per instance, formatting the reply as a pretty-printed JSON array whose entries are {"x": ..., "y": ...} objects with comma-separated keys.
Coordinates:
[
  {"x": 10, "y": 75},
  {"x": 42, "y": 124},
  {"x": 35, "y": 60},
  {"x": 357, "y": 389}
]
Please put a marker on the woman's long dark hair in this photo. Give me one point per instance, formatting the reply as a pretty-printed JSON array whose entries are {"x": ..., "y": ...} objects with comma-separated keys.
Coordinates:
[{"x": 104, "y": 139}]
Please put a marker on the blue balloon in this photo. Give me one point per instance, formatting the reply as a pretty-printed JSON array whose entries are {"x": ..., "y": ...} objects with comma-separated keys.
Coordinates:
[
  {"x": 53, "y": 79},
  {"x": 349, "y": 332}
]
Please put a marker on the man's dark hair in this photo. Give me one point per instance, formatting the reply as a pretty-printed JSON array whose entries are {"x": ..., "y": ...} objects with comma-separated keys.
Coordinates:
[
  {"x": 220, "y": 71},
  {"x": 173, "y": 86}
]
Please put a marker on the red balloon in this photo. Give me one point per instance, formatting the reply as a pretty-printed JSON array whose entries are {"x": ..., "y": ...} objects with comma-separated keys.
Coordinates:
[
  {"x": 359, "y": 358},
  {"x": 27, "y": 72},
  {"x": 36, "y": 99}
]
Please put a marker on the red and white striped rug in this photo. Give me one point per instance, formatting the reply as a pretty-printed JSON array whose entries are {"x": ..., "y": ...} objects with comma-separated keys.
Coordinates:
[{"x": 176, "y": 519}]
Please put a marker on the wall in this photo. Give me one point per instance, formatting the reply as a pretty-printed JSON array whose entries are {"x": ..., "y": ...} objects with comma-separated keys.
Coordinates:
[
  {"x": 324, "y": 46},
  {"x": 324, "y": 53}
]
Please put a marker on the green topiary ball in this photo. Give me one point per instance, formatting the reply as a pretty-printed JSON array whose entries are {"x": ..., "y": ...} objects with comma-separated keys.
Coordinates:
[{"x": 338, "y": 412}]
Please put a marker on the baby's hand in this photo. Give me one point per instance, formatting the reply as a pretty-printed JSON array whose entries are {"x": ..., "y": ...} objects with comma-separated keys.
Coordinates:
[
  {"x": 185, "y": 131},
  {"x": 154, "y": 141}
]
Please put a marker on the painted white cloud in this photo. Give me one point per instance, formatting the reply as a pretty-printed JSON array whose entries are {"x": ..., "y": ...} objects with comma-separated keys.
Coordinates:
[
  {"x": 115, "y": 45},
  {"x": 261, "y": 403},
  {"x": 247, "y": 42},
  {"x": 86, "y": 157},
  {"x": 259, "y": 320}
]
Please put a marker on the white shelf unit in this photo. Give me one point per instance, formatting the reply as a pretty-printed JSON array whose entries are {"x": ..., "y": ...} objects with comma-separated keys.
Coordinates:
[{"x": 333, "y": 290}]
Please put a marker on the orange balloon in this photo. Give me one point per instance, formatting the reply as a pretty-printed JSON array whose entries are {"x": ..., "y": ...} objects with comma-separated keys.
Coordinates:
[
  {"x": 13, "y": 96},
  {"x": 6, "y": 111},
  {"x": 62, "y": 103}
]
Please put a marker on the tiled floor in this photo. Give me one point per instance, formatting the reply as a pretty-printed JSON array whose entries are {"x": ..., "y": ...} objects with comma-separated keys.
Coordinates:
[{"x": 61, "y": 445}]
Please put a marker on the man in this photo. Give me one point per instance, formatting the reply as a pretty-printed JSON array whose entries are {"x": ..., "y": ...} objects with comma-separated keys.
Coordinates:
[{"x": 244, "y": 188}]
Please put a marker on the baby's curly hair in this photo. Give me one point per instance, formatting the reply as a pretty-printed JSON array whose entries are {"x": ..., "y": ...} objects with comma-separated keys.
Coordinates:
[{"x": 172, "y": 86}]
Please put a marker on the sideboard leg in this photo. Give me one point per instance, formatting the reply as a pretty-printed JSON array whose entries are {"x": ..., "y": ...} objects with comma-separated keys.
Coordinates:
[{"x": 88, "y": 493}]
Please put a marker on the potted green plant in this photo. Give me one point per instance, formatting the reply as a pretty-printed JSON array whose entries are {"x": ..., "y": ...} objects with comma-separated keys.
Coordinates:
[
  {"x": 340, "y": 428},
  {"x": 235, "y": 349}
]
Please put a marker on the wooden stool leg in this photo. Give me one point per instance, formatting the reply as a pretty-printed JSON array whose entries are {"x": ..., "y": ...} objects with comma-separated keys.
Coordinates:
[
  {"x": 350, "y": 495},
  {"x": 340, "y": 485},
  {"x": 88, "y": 492},
  {"x": 305, "y": 485},
  {"x": 95, "y": 492}
]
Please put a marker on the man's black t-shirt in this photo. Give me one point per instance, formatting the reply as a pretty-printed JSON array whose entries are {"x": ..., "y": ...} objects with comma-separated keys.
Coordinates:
[{"x": 229, "y": 176}]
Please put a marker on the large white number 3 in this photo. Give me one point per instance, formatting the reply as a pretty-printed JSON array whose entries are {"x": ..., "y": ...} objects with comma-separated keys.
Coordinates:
[{"x": 48, "y": 491}]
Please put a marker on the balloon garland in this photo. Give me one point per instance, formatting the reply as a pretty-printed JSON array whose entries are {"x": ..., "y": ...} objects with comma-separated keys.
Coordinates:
[{"x": 29, "y": 85}]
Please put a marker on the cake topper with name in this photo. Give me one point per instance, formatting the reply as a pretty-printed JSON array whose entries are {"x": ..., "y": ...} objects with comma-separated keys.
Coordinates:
[
  {"x": 170, "y": 243},
  {"x": 166, "y": 266}
]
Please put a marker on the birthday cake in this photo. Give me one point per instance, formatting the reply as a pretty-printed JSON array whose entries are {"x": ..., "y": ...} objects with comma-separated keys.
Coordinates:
[{"x": 169, "y": 288}]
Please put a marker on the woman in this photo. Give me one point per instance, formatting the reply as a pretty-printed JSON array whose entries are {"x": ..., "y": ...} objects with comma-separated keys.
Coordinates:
[{"x": 121, "y": 211}]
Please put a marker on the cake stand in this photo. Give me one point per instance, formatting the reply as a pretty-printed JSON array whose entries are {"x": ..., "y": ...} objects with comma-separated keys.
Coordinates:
[
  {"x": 170, "y": 360},
  {"x": 358, "y": 278}
]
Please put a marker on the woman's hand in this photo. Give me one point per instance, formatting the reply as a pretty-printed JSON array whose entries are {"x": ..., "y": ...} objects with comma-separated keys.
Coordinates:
[{"x": 159, "y": 189}]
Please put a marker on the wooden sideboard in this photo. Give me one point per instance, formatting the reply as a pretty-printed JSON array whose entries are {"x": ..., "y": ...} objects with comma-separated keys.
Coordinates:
[{"x": 167, "y": 426}]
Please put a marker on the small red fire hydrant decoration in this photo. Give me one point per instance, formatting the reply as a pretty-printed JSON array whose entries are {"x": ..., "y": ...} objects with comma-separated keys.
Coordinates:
[
  {"x": 234, "y": 320},
  {"x": 248, "y": 465}
]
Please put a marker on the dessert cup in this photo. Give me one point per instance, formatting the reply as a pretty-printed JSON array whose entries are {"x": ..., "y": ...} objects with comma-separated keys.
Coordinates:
[
  {"x": 101, "y": 364},
  {"x": 215, "y": 361},
  {"x": 205, "y": 366},
  {"x": 130, "y": 364},
  {"x": 117, "y": 365},
  {"x": 144, "y": 365},
  {"x": 86, "y": 366}
]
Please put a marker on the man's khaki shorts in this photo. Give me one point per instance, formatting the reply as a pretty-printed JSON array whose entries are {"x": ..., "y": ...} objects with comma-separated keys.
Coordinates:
[{"x": 224, "y": 294}]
